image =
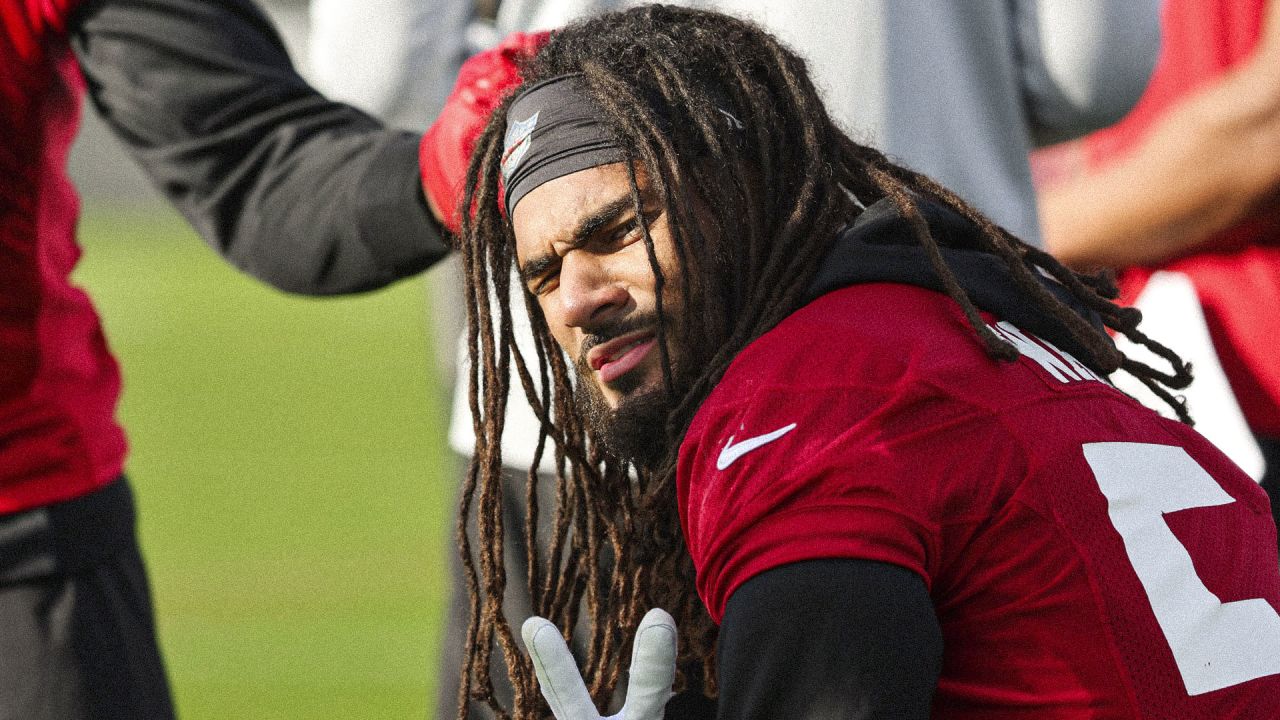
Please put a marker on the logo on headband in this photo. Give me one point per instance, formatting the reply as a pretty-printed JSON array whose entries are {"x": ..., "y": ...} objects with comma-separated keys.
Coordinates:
[
  {"x": 515, "y": 144},
  {"x": 733, "y": 122}
]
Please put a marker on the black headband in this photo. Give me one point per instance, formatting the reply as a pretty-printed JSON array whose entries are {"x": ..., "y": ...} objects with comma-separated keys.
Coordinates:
[{"x": 552, "y": 130}]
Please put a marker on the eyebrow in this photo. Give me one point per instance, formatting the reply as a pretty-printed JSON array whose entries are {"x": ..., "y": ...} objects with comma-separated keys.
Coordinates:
[{"x": 604, "y": 216}]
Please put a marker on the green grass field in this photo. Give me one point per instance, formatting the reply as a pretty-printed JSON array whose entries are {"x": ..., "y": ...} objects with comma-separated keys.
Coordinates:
[{"x": 295, "y": 492}]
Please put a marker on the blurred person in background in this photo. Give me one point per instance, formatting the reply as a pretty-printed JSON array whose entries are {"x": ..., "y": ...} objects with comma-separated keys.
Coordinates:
[
  {"x": 1181, "y": 197},
  {"x": 962, "y": 93},
  {"x": 307, "y": 194},
  {"x": 77, "y": 639}
]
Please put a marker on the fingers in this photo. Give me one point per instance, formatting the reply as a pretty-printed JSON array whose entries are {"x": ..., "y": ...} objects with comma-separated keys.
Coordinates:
[
  {"x": 558, "y": 675},
  {"x": 444, "y": 154},
  {"x": 653, "y": 667}
]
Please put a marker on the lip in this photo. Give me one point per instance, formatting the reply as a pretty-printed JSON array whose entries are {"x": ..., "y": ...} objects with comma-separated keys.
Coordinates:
[{"x": 621, "y": 355}]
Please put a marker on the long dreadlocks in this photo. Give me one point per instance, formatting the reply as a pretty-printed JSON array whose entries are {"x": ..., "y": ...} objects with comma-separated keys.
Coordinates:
[{"x": 772, "y": 194}]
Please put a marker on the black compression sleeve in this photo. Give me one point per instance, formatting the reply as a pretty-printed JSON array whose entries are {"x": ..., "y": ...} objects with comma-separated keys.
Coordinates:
[
  {"x": 828, "y": 640},
  {"x": 309, "y": 195}
]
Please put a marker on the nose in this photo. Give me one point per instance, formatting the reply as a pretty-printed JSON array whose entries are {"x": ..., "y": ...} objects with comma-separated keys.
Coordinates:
[{"x": 588, "y": 291}]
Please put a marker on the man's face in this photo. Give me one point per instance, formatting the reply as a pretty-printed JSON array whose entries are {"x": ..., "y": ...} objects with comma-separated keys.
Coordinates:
[{"x": 581, "y": 253}]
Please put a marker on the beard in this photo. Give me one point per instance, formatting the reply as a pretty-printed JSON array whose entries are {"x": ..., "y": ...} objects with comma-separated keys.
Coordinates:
[{"x": 635, "y": 430}]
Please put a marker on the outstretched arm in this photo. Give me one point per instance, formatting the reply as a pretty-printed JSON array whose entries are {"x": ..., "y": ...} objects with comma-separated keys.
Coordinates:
[
  {"x": 1209, "y": 163},
  {"x": 309, "y": 195}
]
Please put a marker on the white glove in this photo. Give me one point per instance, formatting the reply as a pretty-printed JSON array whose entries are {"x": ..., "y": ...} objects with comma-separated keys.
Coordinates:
[{"x": 653, "y": 670}]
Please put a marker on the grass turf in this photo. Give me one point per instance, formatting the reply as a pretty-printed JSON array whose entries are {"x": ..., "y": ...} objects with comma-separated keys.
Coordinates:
[{"x": 294, "y": 488}]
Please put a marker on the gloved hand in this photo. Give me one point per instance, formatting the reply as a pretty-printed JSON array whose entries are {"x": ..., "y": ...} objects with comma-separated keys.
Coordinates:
[
  {"x": 445, "y": 149},
  {"x": 653, "y": 669}
]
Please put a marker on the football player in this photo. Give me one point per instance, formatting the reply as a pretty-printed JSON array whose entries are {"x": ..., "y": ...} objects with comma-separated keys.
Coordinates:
[{"x": 857, "y": 438}]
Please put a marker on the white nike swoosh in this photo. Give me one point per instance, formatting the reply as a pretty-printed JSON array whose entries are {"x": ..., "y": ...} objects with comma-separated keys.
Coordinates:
[{"x": 732, "y": 452}]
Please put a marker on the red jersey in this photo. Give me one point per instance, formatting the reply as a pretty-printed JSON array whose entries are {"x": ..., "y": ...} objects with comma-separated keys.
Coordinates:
[
  {"x": 1237, "y": 276},
  {"x": 1085, "y": 557},
  {"x": 58, "y": 382}
]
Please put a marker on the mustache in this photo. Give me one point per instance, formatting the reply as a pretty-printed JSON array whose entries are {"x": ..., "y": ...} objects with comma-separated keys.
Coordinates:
[{"x": 618, "y": 328}]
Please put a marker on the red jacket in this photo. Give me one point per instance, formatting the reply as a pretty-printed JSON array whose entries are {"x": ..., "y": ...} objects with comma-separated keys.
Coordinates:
[{"x": 58, "y": 382}]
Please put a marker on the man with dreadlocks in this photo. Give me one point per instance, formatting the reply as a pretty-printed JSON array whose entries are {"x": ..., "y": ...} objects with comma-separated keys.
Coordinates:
[{"x": 854, "y": 436}]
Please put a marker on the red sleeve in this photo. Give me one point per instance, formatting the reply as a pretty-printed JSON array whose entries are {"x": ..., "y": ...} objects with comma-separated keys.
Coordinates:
[
  {"x": 28, "y": 24},
  {"x": 51, "y": 15},
  {"x": 866, "y": 473}
]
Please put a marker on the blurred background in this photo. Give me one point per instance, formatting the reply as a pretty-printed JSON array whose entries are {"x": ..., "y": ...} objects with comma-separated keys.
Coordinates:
[{"x": 295, "y": 492}]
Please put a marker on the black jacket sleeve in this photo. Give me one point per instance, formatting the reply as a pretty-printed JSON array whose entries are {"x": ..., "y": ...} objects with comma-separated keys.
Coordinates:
[
  {"x": 309, "y": 195},
  {"x": 829, "y": 640}
]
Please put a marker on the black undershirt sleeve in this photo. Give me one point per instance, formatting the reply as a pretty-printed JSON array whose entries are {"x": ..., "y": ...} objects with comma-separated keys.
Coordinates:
[
  {"x": 309, "y": 195},
  {"x": 829, "y": 640}
]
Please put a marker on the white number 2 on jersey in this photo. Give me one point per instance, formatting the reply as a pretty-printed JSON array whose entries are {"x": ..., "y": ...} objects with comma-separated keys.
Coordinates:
[{"x": 1215, "y": 644}]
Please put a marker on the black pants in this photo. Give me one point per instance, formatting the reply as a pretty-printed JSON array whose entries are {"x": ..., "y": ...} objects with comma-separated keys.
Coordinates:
[{"x": 77, "y": 638}]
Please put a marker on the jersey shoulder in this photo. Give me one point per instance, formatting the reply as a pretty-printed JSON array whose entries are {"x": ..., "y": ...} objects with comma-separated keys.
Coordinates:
[
  {"x": 882, "y": 336},
  {"x": 828, "y": 436}
]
